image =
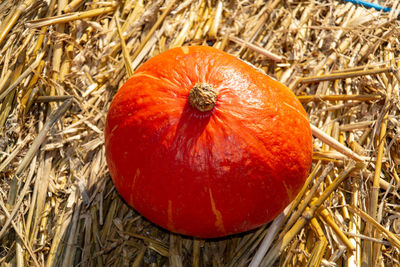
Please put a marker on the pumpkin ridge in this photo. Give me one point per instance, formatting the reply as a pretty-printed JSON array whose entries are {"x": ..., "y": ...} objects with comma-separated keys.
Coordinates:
[
  {"x": 170, "y": 220},
  {"x": 219, "y": 223},
  {"x": 296, "y": 110},
  {"x": 152, "y": 75},
  {"x": 245, "y": 136},
  {"x": 289, "y": 191}
]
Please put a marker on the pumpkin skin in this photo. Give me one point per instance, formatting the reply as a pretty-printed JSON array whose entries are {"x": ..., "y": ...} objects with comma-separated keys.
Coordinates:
[{"x": 206, "y": 173}]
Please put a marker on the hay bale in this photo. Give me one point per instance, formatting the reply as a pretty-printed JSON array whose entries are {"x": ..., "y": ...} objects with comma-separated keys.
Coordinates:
[{"x": 62, "y": 61}]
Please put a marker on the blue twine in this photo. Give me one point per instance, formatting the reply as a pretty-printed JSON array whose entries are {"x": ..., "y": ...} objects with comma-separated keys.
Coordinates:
[{"x": 369, "y": 5}]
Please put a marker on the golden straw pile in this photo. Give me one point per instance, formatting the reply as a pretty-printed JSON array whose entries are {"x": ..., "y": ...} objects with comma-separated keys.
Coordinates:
[{"x": 62, "y": 61}]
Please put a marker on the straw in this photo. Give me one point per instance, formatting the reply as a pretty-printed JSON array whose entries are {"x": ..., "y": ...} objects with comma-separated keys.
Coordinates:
[{"x": 58, "y": 203}]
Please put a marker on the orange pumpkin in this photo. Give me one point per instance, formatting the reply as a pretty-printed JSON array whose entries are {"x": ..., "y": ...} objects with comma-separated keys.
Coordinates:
[{"x": 203, "y": 144}]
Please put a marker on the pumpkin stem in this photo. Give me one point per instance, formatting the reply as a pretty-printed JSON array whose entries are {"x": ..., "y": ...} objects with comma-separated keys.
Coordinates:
[{"x": 202, "y": 97}]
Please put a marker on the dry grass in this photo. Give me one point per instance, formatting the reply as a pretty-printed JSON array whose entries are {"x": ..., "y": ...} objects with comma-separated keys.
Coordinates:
[{"x": 62, "y": 61}]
